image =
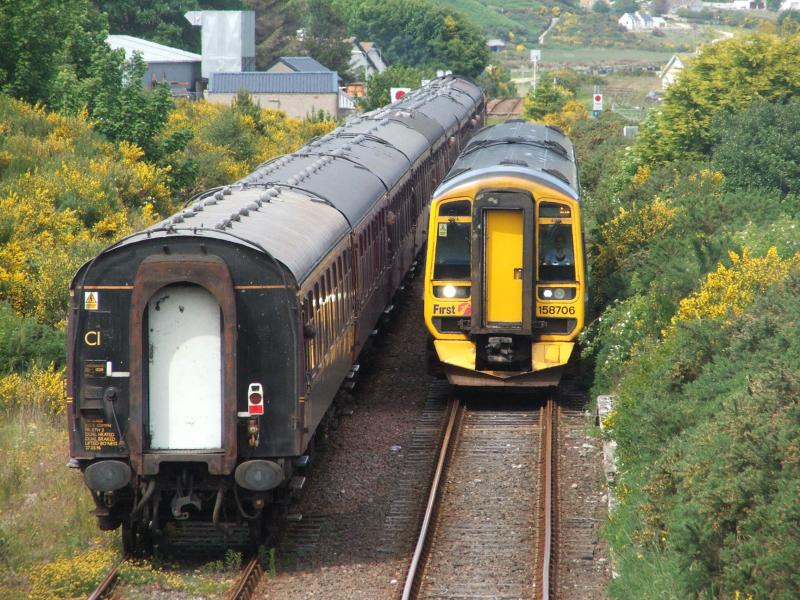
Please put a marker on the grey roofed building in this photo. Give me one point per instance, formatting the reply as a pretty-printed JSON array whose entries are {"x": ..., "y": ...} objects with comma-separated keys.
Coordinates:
[
  {"x": 259, "y": 82},
  {"x": 151, "y": 52},
  {"x": 299, "y": 95},
  {"x": 297, "y": 64},
  {"x": 179, "y": 68}
]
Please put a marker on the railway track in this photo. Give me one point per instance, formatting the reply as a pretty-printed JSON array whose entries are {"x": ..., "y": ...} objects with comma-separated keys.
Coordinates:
[
  {"x": 248, "y": 580},
  {"x": 106, "y": 587},
  {"x": 243, "y": 589},
  {"x": 489, "y": 509}
]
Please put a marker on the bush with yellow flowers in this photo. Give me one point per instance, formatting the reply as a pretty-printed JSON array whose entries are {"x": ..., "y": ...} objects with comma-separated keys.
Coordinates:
[
  {"x": 726, "y": 292},
  {"x": 71, "y": 577}
]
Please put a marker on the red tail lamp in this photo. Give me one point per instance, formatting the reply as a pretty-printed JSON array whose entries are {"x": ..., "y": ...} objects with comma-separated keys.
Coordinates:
[{"x": 255, "y": 399}]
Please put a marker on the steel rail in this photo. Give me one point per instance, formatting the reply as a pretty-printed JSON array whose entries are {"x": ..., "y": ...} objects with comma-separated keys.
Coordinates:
[
  {"x": 107, "y": 585},
  {"x": 248, "y": 581},
  {"x": 547, "y": 488},
  {"x": 414, "y": 570}
]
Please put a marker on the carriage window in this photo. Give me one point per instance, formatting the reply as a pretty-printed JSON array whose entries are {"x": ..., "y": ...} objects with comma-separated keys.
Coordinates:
[
  {"x": 452, "y": 251},
  {"x": 556, "y": 253}
]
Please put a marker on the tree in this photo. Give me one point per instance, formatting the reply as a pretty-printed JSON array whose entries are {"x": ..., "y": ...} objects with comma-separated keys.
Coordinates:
[
  {"x": 496, "y": 82},
  {"x": 548, "y": 98},
  {"x": 601, "y": 7},
  {"x": 116, "y": 100},
  {"x": 420, "y": 34},
  {"x": 621, "y": 7},
  {"x": 38, "y": 37},
  {"x": 378, "y": 85},
  {"x": 725, "y": 78},
  {"x": 277, "y": 22},
  {"x": 759, "y": 147},
  {"x": 325, "y": 35},
  {"x": 161, "y": 21},
  {"x": 659, "y": 7}
]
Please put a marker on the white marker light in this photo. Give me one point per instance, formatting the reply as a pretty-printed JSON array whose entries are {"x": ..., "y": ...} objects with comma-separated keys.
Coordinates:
[
  {"x": 449, "y": 291},
  {"x": 547, "y": 293}
]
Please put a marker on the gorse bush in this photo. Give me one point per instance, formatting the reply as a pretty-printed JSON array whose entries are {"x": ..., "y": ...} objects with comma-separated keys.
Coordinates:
[
  {"x": 707, "y": 424},
  {"x": 695, "y": 258}
]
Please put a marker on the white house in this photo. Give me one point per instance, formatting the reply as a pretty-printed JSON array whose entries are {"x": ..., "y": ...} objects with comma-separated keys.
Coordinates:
[
  {"x": 641, "y": 21},
  {"x": 736, "y": 5},
  {"x": 670, "y": 72},
  {"x": 495, "y": 45},
  {"x": 366, "y": 59}
]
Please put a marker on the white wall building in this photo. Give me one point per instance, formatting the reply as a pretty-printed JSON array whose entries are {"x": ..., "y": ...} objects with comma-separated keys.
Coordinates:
[
  {"x": 365, "y": 59},
  {"x": 641, "y": 21}
]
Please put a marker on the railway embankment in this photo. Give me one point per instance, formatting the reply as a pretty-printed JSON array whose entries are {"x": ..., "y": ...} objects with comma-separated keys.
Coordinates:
[{"x": 696, "y": 274}]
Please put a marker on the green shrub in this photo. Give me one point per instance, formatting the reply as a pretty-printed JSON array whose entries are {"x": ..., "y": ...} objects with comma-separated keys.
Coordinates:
[{"x": 25, "y": 341}]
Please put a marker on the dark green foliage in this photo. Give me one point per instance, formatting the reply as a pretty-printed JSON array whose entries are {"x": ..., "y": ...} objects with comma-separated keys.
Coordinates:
[
  {"x": 418, "y": 33},
  {"x": 624, "y": 6},
  {"x": 599, "y": 143},
  {"x": 708, "y": 428},
  {"x": 789, "y": 21},
  {"x": 39, "y": 37},
  {"x": 548, "y": 98},
  {"x": 496, "y": 82},
  {"x": 116, "y": 100},
  {"x": 25, "y": 341},
  {"x": 161, "y": 21},
  {"x": 325, "y": 35},
  {"x": 759, "y": 147},
  {"x": 601, "y": 7},
  {"x": 277, "y": 22}
]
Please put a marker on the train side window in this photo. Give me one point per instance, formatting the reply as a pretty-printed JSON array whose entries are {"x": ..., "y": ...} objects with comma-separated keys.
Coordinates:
[
  {"x": 556, "y": 253},
  {"x": 308, "y": 319},
  {"x": 317, "y": 325}
]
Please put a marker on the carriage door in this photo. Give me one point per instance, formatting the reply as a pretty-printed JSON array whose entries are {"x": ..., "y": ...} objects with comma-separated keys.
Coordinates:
[
  {"x": 502, "y": 260},
  {"x": 184, "y": 369}
]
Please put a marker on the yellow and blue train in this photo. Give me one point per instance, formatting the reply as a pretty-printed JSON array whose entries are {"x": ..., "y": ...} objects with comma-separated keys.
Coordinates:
[{"x": 506, "y": 275}]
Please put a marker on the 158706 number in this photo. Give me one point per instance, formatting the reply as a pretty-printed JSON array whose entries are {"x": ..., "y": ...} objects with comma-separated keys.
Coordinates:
[{"x": 554, "y": 310}]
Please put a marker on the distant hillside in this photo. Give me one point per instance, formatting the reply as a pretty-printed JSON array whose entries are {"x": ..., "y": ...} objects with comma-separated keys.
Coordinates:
[{"x": 527, "y": 19}]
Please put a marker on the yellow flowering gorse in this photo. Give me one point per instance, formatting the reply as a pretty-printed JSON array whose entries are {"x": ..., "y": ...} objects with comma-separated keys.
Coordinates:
[{"x": 727, "y": 291}]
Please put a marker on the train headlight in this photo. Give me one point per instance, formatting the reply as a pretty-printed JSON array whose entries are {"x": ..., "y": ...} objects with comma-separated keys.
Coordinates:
[
  {"x": 451, "y": 291},
  {"x": 556, "y": 293}
]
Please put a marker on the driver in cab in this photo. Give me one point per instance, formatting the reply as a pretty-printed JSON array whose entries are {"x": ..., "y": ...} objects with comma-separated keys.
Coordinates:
[{"x": 560, "y": 253}]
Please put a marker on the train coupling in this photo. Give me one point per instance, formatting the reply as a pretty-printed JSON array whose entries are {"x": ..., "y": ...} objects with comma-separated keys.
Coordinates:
[{"x": 500, "y": 350}]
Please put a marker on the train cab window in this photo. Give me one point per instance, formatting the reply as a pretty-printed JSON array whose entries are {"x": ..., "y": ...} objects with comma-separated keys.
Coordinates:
[
  {"x": 460, "y": 208},
  {"x": 556, "y": 253},
  {"x": 452, "y": 256}
]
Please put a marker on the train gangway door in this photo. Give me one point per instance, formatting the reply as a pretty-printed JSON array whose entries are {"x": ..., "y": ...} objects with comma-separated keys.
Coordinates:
[
  {"x": 504, "y": 261},
  {"x": 184, "y": 369}
]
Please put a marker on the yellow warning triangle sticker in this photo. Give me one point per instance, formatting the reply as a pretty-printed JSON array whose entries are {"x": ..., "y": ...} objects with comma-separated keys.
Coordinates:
[{"x": 90, "y": 300}]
